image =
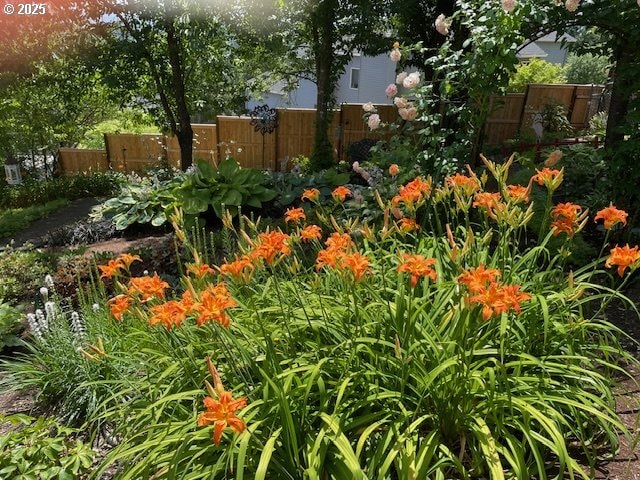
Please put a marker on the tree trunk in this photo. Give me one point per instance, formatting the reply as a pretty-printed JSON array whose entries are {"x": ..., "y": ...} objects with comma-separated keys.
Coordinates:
[
  {"x": 184, "y": 131},
  {"x": 620, "y": 95},
  {"x": 323, "y": 40}
]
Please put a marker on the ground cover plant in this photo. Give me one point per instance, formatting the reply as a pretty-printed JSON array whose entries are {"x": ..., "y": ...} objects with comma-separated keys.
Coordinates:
[
  {"x": 436, "y": 343},
  {"x": 42, "y": 449}
]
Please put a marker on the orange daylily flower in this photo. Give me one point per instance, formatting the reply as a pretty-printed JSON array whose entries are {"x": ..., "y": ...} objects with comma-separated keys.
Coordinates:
[
  {"x": 294, "y": 215},
  {"x": 418, "y": 266},
  {"x": 171, "y": 313},
  {"x": 311, "y": 194},
  {"x": 358, "y": 264},
  {"x": 328, "y": 258},
  {"x": 187, "y": 301},
  {"x": 127, "y": 259},
  {"x": 147, "y": 287},
  {"x": 119, "y": 305},
  {"x": 499, "y": 299},
  {"x": 518, "y": 193},
  {"x": 339, "y": 241},
  {"x": 565, "y": 218},
  {"x": 111, "y": 269},
  {"x": 468, "y": 185},
  {"x": 200, "y": 270},
  {"x": 221, "y": 411},
  {"x": 272, "y": 244},
  {"x": 611, "y": 216},
  {"x": 548, "y": 177},
  {"x": 476, "y": 279},
  {"x": 413, "y": 192},
  {"x": 623, "y": 257},
  {"x": 214, "y": 302},
  {"x": 337, "y": 247},
  {"x": 553, "y": 158},
  {"x": 240, "y": 269},
  {"x": 487, "y": 201},
  {"x": 407, "y": 225},
  {"x": 492, "y": 301},
  {"x": 513, "y": 297},
  {"x": 312, "y": 232},
  {"x": 340, "y": 193}
]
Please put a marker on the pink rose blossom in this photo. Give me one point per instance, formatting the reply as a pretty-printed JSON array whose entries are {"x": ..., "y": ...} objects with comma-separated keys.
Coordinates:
[
  {"x": 572, "y": 5},
  {"x": 509, "y": 5},
  {"x": 368, "y": 107},
  {"x": 441, "y": 25},
  {"x": 374, "y": 121},
  {"x": 391, "y": 90},
  {"x": 408, "y": 114},
  {"x": 400, "y": 78},
  {"x": 401, "y": 102},
  {"x": 395, "y": 55},
  {"x": 412, "y": 80}
]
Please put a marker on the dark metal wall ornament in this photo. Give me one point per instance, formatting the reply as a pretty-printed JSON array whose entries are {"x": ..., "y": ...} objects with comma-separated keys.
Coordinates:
[{"x": 264, "y": 120}]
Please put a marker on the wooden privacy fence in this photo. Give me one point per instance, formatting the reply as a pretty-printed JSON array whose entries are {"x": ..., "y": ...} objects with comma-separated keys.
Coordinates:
[
  {"x": 294, "y": 136},
  {"x": 81, "y": 160},
  {"x": 514, "y": 112}
]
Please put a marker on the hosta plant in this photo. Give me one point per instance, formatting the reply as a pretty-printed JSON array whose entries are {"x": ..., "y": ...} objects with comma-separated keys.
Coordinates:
[
  {"x": 229, "y": 186},
  {"x": 141, "y": 200}
]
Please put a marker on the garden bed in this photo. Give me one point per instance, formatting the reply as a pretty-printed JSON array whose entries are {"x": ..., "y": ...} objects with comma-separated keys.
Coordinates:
[{"x": 295, "y": 324}]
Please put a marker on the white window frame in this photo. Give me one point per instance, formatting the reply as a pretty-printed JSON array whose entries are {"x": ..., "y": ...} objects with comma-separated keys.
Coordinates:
[{"x": 351, "y": 79}]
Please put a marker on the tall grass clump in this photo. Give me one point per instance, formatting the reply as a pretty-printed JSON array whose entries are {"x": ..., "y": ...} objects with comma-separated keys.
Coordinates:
[{"x": 437, "y": 343}]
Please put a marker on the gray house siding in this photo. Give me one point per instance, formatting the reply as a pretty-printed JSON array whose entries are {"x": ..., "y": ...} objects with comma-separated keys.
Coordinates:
[
  {"x": 550, "y": 47},
  {"x": 556, "y": 53},
  {"x": 302, "y": 97},
  {"x": 375, "y": 73}
]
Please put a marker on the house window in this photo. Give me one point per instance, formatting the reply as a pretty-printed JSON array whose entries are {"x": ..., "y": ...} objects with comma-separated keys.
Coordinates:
[{"x": 355, "y": 78}]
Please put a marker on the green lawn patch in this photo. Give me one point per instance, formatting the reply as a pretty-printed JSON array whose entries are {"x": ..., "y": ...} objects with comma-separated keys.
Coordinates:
[{"x": 14, "y": 220}]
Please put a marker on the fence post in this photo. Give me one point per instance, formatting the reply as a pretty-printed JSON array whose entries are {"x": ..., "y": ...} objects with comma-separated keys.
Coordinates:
[
  {"x": 106, "y": 148},
  {"x": 572, "y": 103},
  {"x": 524, "y": 107}
]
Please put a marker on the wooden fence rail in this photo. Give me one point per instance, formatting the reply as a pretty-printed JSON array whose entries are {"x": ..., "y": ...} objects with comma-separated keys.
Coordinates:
[{"x": 295, "y": 133}]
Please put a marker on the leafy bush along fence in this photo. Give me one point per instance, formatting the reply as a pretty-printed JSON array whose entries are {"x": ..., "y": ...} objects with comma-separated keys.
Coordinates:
[
  {"x": 295, "y": 133},
  {"x": 348, "y": 350}
]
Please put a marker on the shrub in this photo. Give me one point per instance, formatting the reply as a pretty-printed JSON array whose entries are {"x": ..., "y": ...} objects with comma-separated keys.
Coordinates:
[
  {"x": 584, "y": 169},
  {"x": 22, "y": 272},
  {"x": 35, "y": 191},
  {"x": 290, "y": 186},
  {"x": 535, "y": 71},
  {"x": 392, "y": 350},
  {"x": 587, "y": 68}
]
